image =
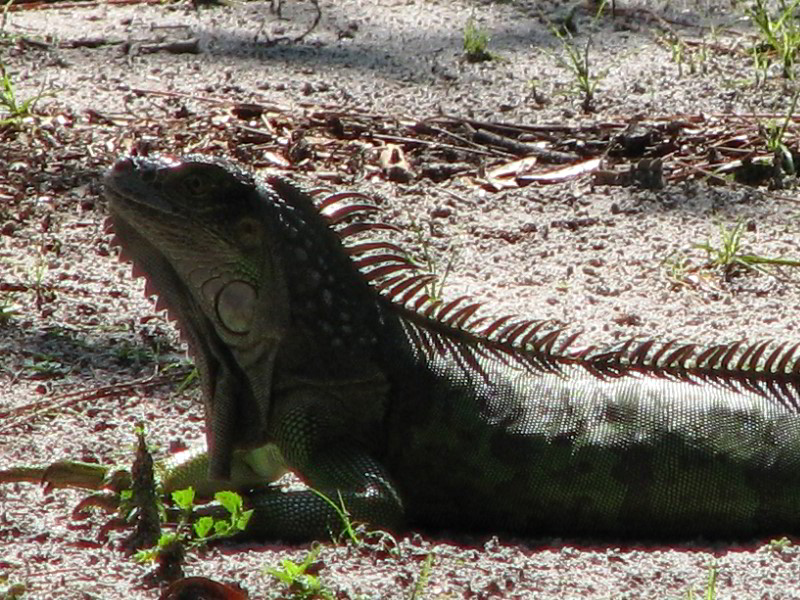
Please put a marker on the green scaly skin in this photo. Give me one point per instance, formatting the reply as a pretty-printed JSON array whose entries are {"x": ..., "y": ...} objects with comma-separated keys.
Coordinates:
[{"x": 429, "y": 421}]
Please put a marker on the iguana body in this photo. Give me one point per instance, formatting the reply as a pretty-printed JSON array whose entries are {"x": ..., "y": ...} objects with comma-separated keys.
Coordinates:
[{"x": 420, "y": 412}]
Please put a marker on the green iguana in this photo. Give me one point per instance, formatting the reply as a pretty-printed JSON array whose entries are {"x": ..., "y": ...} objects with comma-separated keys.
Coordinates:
[{"x": 322, "y": 353}]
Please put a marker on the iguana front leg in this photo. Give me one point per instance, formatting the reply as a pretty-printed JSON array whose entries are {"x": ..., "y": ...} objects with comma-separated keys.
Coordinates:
[
  {"x": 350, "y": 479},
  {"x": 324, "y": 438},
  {"x": 346, "y": 475}
]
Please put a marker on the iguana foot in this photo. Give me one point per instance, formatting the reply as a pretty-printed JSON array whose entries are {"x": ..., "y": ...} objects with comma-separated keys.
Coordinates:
[{"x": 71, "y": 474}]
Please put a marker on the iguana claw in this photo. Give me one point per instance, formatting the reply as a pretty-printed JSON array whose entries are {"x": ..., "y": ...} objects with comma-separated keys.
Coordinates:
[{"x": 107, "y": 501}]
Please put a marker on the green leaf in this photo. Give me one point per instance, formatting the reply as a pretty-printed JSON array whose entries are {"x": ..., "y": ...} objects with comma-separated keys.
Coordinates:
[
  {"x": 281, "y": 576},
  {"x": 166, "y": 539},
  {"x": 184, "y": 498},
  {"x": 221, "y": 528},
  {"x": 230, "y": 500},
  {"x": 203, "y": 526},
  {"x": 243, "y": 520},
  {"x": 291, "y": 568}
]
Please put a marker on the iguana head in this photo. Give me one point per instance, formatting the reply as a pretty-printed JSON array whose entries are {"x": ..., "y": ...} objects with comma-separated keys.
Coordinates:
[{"x": 196, "y": 229}]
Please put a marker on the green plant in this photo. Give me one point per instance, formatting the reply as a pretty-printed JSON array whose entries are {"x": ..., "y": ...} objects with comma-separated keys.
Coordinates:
[
  {"x": 349, "y": 529},
  {"x": 298, "y": 580},
  {"x": 435, "y": 286},
  {"x": 357, "y": 533},
  {"x": 682, "y": 53},
  {"x": 677, "y": 48},
  {"x": 205, "y": 529},
  {"x": 577, "y": 61},
  {"x": 191, "y": 376},
  {"x": 8, "y": 308},
  {"x": 711, "y": 585},
  {"x": 601, "y": 8},
  {"x": 11, "y": 591},
  {"x": 780, "y": 545},
  {"x": 6, "y": 8},
  {"x": 779, "y": 36},
  {"x": 476, "y": 42},
  {"x": 676, "y": 268},
  {"x": 424, "y": 576},
  {"x": 208, "y": 529},
  {"x": 728, "y": 254},
  {"x": 45, "y": 366},
  {"x": 774, "y": 135},
  {"x": 128, "y": 352},
  {"x": 12, "y": 110},
  {"x": 38, "y": 273}
]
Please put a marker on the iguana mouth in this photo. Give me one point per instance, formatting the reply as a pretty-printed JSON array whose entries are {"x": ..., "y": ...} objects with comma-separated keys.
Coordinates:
[{"x": 129, "y": 177}]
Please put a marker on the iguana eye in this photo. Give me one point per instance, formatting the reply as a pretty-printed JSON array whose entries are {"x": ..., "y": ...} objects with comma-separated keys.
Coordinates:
[{"x": 195, "y": 184}]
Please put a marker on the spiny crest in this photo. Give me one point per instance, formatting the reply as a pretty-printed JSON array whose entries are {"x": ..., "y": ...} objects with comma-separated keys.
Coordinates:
[
  {"x": 455, "y": 328},
  {"x": 436, "y": 327},
  {"x": 138, "y": 271},
  {"x": 738, "y": 366}
]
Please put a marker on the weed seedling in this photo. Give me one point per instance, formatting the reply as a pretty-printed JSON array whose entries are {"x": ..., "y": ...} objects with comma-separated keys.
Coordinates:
[
  {"x": 577, "y": 62},
  {"x": 424, "y": 576},
  {"x": 204, "y": 530},
  {"x": 12, "y": 110},
  {"x": 476, "y": 42},
  {"x": 780, "y": 545},
  {"x": 728, "y": 254},
  {"x": 436, "y": 285},
  {"x": 711, "y": 586},
  {"x": 780, "y": 36},
  {"x": 784, "y": 161},
  {"x": 297, "y": 578}
]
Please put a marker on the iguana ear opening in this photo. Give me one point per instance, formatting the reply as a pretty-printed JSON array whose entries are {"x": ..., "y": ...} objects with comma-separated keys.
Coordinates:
[{"x": 235, "y": 305}]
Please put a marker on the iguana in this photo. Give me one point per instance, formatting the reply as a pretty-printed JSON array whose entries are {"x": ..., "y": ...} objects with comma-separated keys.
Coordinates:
[{"x": 323, "y": 352}]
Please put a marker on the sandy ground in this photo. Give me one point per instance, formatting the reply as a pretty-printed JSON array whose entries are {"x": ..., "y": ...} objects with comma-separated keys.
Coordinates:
[{"x": 80, "y": 344}]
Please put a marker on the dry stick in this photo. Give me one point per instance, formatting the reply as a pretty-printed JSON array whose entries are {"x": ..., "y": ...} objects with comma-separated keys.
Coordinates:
[
  {"x": 522, "y": 149},
  {"x": 190, "y": 46},
  {"x": 325, "y": 112},
  {"x": 170, "y": 94},
  {"x": 323, "y": 116},
  {"x": 455, "y": 136},
  {"x": 26, "y": 41},
  {"x": 754, "y": 116},
  {"x": 508, "y": 127},
  {"x": 22, "y": 5},
  {"x": 267, "y": 108},
  {"x": 714, "y": 46},
  {"x": 90, "y": 43},
  {"x": 406, "y": 140},
  {"x": 511, "y": 127},
  {"x": 622, "y": 122}
]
